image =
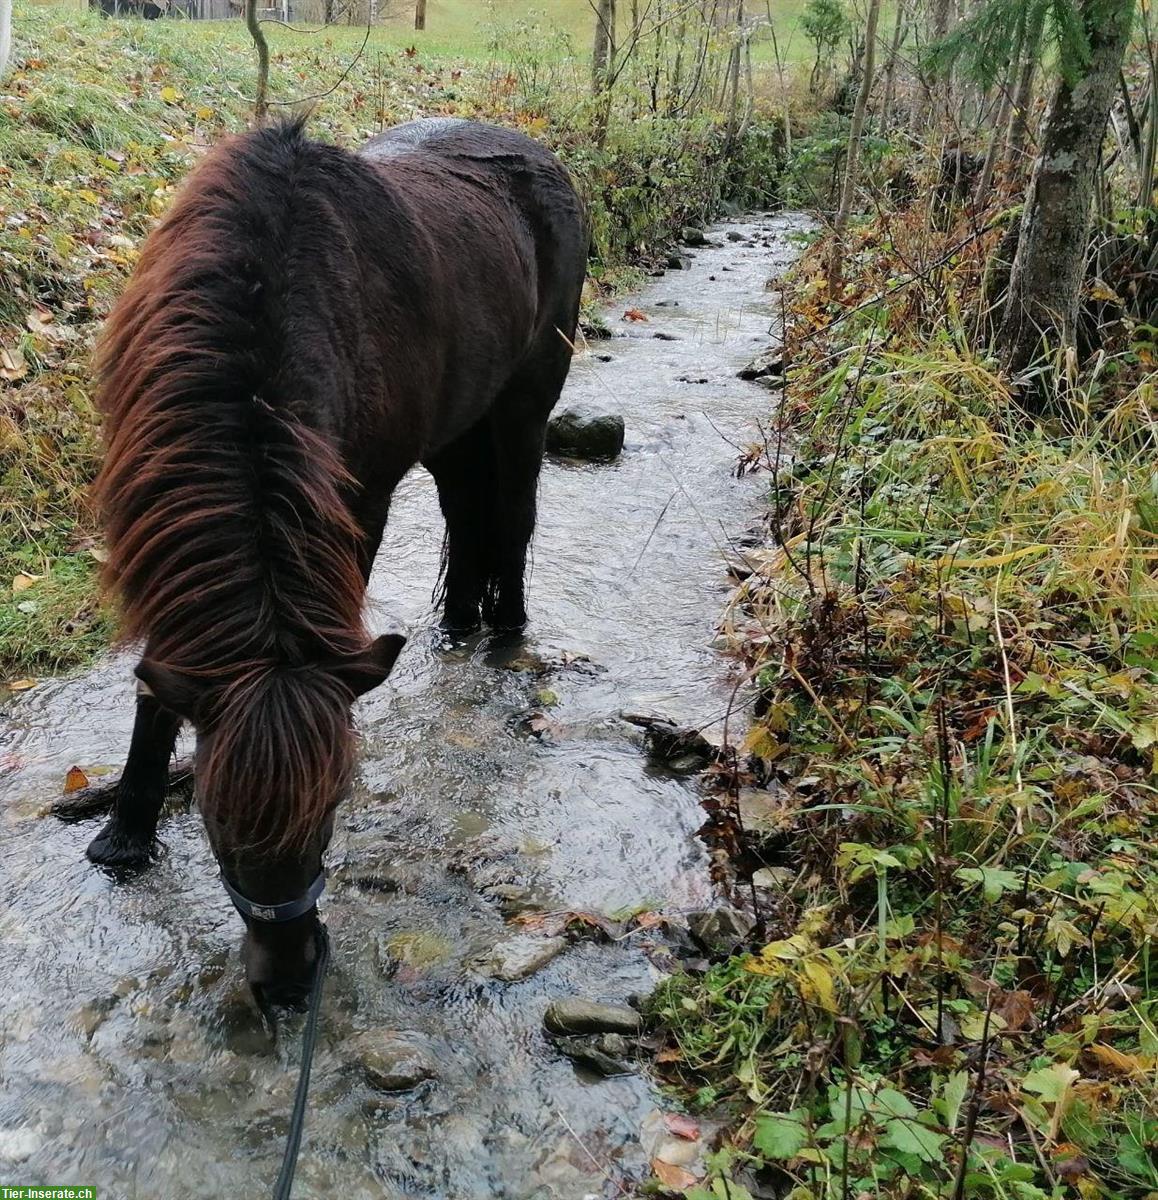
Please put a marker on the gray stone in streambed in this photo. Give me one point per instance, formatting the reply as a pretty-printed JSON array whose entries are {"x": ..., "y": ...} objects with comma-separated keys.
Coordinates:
[
  {"x": 734, "y": 235},
  {"x": 766, "y": 363},
  {"x": 520, "y": 957},
  {"x": 608, "y": 1054},
  {"x": 576, "y": 1015},
  {"x": 582, "y": 431},
  {"x": 392, "y": 1061},
  {"x": 692, "y": 235},
  {"x": 720, "y": 930},
  {"x": 678, "y": 262}
]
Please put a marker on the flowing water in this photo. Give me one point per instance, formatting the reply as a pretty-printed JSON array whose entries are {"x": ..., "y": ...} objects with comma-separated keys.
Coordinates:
[{"x": 492, "y": 778}]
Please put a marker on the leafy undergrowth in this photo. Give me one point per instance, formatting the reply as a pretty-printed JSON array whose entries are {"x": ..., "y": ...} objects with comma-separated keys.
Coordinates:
[
  {"x": 946, "y": 803},
  {"x": 99, "y": 119}
]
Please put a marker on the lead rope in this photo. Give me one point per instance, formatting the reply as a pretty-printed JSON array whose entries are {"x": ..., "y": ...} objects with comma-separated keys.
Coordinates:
[{"x": 289, "y": 1162}]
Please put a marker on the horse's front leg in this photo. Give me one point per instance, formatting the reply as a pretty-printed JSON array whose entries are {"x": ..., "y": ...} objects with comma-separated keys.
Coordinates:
[{"x": 128, "y": 838}]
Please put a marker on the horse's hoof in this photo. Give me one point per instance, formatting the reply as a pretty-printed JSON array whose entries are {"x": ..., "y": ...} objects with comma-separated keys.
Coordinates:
[
  {"x": 119, "y": 850},
  {"x": 506, "y": 620}
]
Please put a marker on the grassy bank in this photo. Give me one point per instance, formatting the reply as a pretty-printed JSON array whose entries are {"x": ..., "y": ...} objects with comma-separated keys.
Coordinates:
[
  {"x": 100, "y": 119},
  {"x": 945, "y": 805}
]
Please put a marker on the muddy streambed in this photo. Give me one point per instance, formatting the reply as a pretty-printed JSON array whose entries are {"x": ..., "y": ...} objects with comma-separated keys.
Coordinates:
[{"x": 493, "y": 780}]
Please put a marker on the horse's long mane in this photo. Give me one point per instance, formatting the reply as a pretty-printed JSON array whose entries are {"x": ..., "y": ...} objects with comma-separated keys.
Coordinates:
[{"x": 231, "y": 545}]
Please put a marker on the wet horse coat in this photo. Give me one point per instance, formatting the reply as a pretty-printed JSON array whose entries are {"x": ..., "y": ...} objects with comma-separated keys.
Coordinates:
[{"x": 306, "y": 325}]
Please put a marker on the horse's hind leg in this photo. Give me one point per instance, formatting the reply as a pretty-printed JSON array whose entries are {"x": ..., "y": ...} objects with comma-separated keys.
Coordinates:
[
  {"x": 127, "y": 840},
  {"x": 518, "y": 429},
  {"x": 465, "y": 474}
]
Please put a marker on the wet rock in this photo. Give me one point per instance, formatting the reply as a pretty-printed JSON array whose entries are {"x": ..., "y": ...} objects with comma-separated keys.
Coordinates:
[
  {"x": 608, "y": 1054},
  {"x": 582, "y": 431},
  {"x": 734, "y": 235},
  {"x": 92, "y": 1016},
  {"x": 576, "y": 1015},
  {"x": 520, "y": 957},
  {"x": 661, "y": 336},
  {"x": 774, "y": 383},
  {"x": 674, "y": 743},
  {"x": 667, "y": 304},
  {"x": 420, "y": 950},
  {"x": 18, "y": 1145},
  {"x": 514, "y": 899},
  {"x": 720, "y": 931},
  {"x": 391, "y": 1060},
  {"x": 678, "y": 262},
  {"x": 694, "y": 236},
  {"x": 768, "y": 362}
]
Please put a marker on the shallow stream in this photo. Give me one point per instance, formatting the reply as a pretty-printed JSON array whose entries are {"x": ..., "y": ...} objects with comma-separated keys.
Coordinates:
[{"x": 493, "y": 780}]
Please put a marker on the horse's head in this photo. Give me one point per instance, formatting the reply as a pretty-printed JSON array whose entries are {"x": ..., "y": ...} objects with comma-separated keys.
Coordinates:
[{"x": 275, "y": 751}]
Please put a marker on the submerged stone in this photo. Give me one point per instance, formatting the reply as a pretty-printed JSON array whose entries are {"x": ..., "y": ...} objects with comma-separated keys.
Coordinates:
[
  {"x": 393, "y": 1061},
  {"x": 520, "y": 957},
  {"x": 608, "y": 1054}
]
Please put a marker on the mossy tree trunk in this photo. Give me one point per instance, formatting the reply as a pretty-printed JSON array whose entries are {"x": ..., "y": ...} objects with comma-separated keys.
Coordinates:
[{"x": 1046, "y": 281}]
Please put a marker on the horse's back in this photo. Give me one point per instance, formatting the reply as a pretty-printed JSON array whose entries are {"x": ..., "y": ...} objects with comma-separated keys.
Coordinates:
[{"x": 443, "y": 155}]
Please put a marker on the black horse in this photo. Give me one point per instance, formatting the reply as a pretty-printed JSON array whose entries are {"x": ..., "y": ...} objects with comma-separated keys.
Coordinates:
[{"x": 306, "y": 325}]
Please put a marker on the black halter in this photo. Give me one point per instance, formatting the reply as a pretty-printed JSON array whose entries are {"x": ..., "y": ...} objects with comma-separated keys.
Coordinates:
[{"x": 276, "y": 913}]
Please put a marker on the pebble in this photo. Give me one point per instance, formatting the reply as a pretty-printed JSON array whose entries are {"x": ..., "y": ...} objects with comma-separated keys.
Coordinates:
[
  {"x": 576, "y": 1015},
  {"x": 520, "y": 957}
]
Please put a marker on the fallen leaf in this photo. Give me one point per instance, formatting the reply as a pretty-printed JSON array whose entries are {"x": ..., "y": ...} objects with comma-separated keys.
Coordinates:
[
  {"x": 634, "y": 314},
  {"x": 75, "y": 780},
  {"x": 673, "y": 1177},
  {"x": 1017, "y": 1008},
  {"x": 682, "y": 1126},
  {"x": 12, "y": 365},
  {"x": 1116, "y": 1061},
  {"x": 21, "y": 685},
  {"x": 22, "y": 582}
]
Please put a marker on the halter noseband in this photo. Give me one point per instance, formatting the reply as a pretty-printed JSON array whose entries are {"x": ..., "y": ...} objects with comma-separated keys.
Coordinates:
[{"x": 275, "y": 913}]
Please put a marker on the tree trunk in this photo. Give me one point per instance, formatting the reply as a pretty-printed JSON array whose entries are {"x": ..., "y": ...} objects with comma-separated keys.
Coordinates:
[
  {"x": 1046, "y": 280},
  {"x": 1023, "y": 97},
  {"x": 260, "y": 102},
  {"x": 603, "y": 67},
  {"x": 5, "y": 34},
  {"x": 891, "y": 68},
  {"x": 855, "y": 136},
  {"x": 420, "y": 14},
  {"x": 996, "y": 137},
  {"x": 603, "y": 54}
]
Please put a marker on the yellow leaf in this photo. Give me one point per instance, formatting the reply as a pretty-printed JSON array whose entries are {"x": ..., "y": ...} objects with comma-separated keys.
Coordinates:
[
  {"x": 204, "y": 113},
  {"x": 820, "y": 978},
  {"x": 1115, "y": 1060},
  {"x": 87, "y": 196},
  {"x": 170, "y": 95},
  {"x": 75, "y": 780},
  {"x": 23, "y": 582},
  {"x": 21, "y": 685}
]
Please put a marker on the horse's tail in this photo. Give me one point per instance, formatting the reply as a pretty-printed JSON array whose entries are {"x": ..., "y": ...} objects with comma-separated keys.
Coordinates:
[{"x": 230, "y": 541}]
